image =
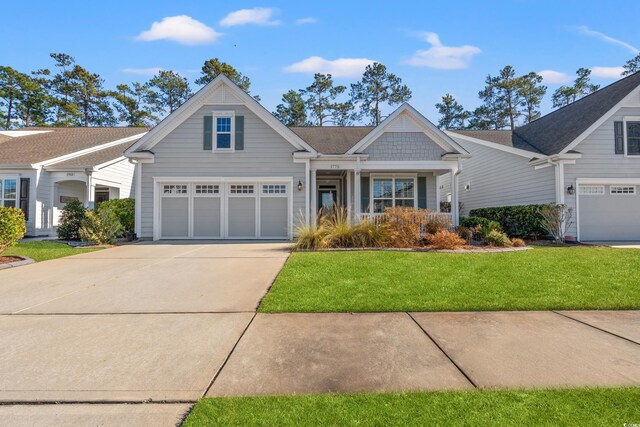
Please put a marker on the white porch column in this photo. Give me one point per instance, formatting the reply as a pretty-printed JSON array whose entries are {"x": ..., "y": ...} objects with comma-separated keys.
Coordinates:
[
  {"x": 91, "y": 192},
  {"x": 349, "y": 202},
  {"x": 455, "y": 205},
  {"x": 356, "y": 194},
  {"x": 138, "y": 199},
  {"x": 314, "y": 195}
]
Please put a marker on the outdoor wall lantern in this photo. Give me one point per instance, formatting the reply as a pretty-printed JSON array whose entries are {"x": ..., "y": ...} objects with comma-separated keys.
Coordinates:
[
  {"x": 300, "y": 186},
  {"x": 571, "y": 190}
]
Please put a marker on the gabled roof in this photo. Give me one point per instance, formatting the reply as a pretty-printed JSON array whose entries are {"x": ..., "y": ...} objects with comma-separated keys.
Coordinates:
[
  {"x": 94, "y": 158},
  {"x": 554, "y": 132},
  {"x": 332, "y": 139},
  {"x": 198, "y": 100},
  {"x": 59, "y": 142},
  {"x": 414, "y": 116}
]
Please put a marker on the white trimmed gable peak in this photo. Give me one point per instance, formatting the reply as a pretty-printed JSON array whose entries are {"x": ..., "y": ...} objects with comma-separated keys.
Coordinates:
[
  {"x": 407, "y": 119},
  {"x": 220, "y": 91}
]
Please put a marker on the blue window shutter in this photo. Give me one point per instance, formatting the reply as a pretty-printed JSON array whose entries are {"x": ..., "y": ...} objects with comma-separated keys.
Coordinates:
[
  {"x": 619, "y": 137},
  {"x": 422, "y": 192},
  {"x": 207, "y": 143},
  {"x": 239, "y": 132},
  {"x": 365, "y": 199}
]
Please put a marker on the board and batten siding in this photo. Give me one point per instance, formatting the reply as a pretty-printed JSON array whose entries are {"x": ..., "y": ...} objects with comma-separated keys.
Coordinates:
[
  {"x": 599, "y": 159},
  {"x": 499, "y": 178},
  {"x": 181, "y": 154},
  {"x": 394, "y": 146}
]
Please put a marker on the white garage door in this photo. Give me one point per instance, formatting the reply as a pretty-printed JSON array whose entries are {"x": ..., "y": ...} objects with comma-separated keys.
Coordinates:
[
  {"x": 609, "y": 212},
  {"x": 225, "y": 210}
]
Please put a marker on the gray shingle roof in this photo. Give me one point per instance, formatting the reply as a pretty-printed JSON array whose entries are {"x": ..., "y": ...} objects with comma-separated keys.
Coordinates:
[
  {"x": 502, "y": 137},
  {"x": 36, "y": 148},
  {"x": 550, "y": 134},
  {"x": 331, "y": 139},
  {"x": 96, "y": 158}
]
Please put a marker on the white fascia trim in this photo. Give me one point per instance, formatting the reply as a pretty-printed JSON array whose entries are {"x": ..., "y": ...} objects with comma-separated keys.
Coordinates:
[
  {"x": 18, "y": 166},
  {"x": 109, "y": 163},
  {"x": 608, "y": 181},
  {"x": 569, "y": 158},
  {"x": 600, "y": 121},
  {"x": 404, "y": 165},
  {"x": 205, "y": 179},
  {"x": 438, "y": 136},
  {"x": 88, "y": 150},
  {"x": 494, "y": 145},
  {"x": 198, "y": 100},
  {"x": 451, "y": 156}
]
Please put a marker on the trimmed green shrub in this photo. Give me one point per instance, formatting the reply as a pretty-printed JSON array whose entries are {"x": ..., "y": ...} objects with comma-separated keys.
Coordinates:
[
  {"x": 125, "y": 211},
  {"x": 71, "y": 221},
  {"x": 517, "y": 221},
  {"x": 497, "y": 238},
  {"x": 100, "y": 227},
  {"x": 12, "y": 227}
]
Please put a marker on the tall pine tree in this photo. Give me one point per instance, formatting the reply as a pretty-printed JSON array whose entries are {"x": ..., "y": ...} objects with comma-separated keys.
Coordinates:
[
  {"x": 321, "y": 100},
  {"x": 292, "y": 111},
  {"x": 170, "y": 90},
  {"x": 377, "y": 87},
  {"x": 531, "y": 91},
  {"x": 581, "y": 87},
  {"x": 452, "y": 114}
]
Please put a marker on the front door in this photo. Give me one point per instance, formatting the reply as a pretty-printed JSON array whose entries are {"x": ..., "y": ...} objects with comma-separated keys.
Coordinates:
[{"x": 327, "y": 198}]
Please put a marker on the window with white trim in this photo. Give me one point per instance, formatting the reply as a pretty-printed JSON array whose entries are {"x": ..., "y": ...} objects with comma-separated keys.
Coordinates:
[
  {"x": 207, "y": 189},
  {"x": 223, "y": 131},
  {"x": 174, "y": 189},
  {"x": 392, "y": 192},
  {"x": 622, "y": 189},
  {"x": 633, "y": 138},
  {"x": 591, "y": 190},
  {"x": 241, "y": 188},
  {"x": 274, "y": 189},
  {"x": 9, "y": 193}
]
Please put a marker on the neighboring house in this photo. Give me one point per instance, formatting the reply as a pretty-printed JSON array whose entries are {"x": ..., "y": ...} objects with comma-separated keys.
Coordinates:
[
  {"x": 42, "y": 169},
  {"x": 221, "y": 166},
  {"x": 585, "y": 155}
]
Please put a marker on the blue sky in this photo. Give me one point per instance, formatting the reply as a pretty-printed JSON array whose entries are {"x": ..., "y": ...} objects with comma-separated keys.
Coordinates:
[{"x": 435, "y": 46}]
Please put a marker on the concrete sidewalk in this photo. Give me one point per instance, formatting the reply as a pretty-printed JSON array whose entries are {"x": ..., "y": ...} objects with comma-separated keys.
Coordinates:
[{"x": 341, "y": 352}]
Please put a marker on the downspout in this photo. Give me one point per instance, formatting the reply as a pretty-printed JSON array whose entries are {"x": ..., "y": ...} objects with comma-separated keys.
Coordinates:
[
  {"x": 455, "y": 203},
  {"x": 138, "y": 196}
]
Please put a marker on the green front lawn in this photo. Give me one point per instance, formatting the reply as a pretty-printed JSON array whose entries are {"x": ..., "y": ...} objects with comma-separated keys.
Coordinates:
[
  {"x": 579, "y": 407},
  {"x": 540, "y": 279},
  {"x": 44, "y": 250}
]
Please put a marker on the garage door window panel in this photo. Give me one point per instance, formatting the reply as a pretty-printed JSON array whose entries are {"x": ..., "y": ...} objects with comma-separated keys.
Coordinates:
[
  {"x": 628, "y": 190},
  {"x": 591, "y": 190}
]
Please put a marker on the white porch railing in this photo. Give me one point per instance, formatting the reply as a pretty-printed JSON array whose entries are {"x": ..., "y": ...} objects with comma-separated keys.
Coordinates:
[{"x": 423, "y": 220}]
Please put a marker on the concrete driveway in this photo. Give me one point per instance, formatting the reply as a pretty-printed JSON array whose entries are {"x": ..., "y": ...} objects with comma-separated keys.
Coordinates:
[{"x": 138, "y": 323}]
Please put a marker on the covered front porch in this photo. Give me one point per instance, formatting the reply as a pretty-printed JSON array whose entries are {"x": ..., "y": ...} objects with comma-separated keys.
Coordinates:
[
  {"x": 366, "y": 188},
  {"x": 73, "y": 186}
]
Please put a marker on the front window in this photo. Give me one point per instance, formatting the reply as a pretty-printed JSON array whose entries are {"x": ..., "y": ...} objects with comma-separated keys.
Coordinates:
[
  {"x": 633, "y": 138},
  {"x": 393, "y": 192},
  {"x": 223, "y": 133},
  {"x": 9, "y": 193}
]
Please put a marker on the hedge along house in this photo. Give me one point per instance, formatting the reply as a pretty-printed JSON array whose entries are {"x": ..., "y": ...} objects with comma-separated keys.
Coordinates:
[
  {"x": 42, "y": 169},
  {"x": 585, "y": 155},
  {"x": 222, "y": 167}
]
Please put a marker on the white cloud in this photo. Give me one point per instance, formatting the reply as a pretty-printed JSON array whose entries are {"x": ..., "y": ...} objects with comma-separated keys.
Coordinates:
[
  {"x": 142, "y": 71},
  {"x": 442, "y": 57},
  {"x": 303, "y": 21},
  {"x": 607, "y": 72},
  {"x": 554, "y": 77},
  {"x": 255, "y": 16},
  {"x": 182, "y": 29},
  {"x": 341, "y": 67},
  {"x": 583, "y": 29}
]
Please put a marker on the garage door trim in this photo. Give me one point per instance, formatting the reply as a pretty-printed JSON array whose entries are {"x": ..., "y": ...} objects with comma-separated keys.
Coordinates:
[
  {"x": 224, "y": 182},
  {"x": 598, "y": 181}
]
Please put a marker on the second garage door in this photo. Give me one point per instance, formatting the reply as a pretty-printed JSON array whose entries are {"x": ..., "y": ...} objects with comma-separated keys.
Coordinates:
[
  {"x": 225, "y": 210},
  {"x": 609, "y": 213}
]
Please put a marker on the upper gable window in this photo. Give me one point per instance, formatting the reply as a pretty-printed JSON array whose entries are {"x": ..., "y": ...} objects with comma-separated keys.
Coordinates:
[
  {"x": 223, "y": 138},
  {"x": 633, "y": 138}
]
